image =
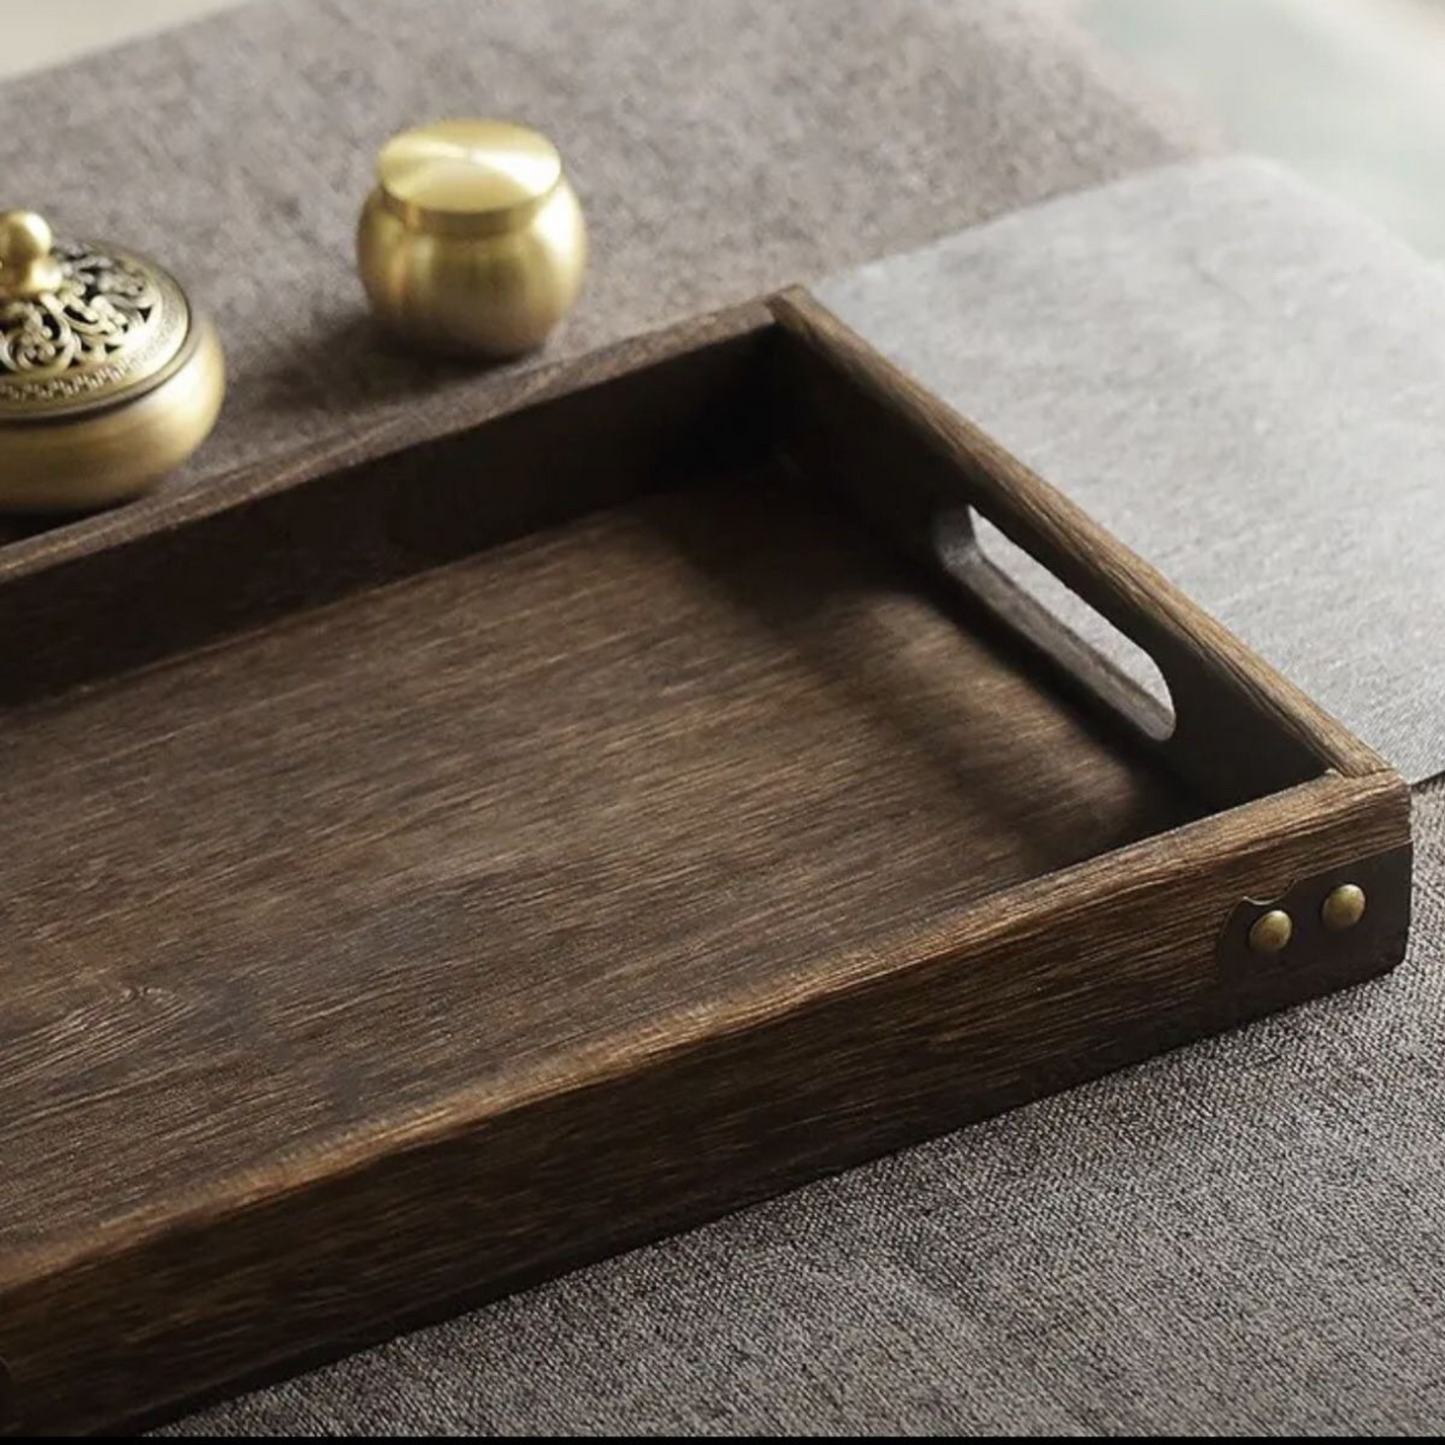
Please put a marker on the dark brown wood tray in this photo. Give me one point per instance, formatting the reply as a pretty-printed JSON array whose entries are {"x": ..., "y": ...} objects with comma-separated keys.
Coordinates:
[{"x": 435, "y": 865}]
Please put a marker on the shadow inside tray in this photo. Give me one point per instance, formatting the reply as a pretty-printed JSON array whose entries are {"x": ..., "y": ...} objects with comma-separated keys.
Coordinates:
[{"x": 926, "y": 667}]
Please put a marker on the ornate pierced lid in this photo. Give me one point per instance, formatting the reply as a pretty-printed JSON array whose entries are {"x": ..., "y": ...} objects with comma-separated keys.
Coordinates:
[{"x": 81, "y": 326}]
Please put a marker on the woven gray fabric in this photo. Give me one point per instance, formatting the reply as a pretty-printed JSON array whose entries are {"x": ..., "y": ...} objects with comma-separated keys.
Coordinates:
[
  {"x": 1243, "y": 381},
  {"x": 722, "y": 149},
  {"x": 1244, "y": 1236}
]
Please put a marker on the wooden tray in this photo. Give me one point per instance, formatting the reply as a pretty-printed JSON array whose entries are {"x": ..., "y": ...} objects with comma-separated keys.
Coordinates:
[{"x": 433, "y": 866}]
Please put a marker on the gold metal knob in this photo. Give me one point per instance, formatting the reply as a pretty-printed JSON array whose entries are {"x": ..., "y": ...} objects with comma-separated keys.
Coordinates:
[
  {"x": 1271, "y": 932},
  {"x": 473, "y": 241},
  {"x": 26, "y": 266},
  {"x": 1344, "y": 907}
]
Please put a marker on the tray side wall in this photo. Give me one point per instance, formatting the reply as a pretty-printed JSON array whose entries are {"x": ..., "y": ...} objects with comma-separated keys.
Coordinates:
[
  {"x": 910, "y": 463},
  {"x": 1037, "y": 989},
  {"x": 172, "y": 574},
  {"x": 1057, "y": 983}
]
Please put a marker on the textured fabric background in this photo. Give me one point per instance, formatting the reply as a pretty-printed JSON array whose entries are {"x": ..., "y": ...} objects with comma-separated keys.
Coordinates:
[
  {"x": 1239, "y": 378},
  {"x": 722, "y": 148},
  {"x": 1245, "y": 1235}
]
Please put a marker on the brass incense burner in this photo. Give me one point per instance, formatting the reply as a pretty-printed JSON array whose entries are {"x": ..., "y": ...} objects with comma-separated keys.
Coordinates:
[{"x": 108, "y": 377}]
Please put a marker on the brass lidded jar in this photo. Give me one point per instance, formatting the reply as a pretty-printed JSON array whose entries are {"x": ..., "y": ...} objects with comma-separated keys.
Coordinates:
[
  {"x": 473, "y": 241},
  {"x": 108, "y": 378}
]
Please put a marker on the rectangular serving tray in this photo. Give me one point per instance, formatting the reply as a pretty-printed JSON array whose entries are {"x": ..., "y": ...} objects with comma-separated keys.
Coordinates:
[{"x": 435, "y": 864}]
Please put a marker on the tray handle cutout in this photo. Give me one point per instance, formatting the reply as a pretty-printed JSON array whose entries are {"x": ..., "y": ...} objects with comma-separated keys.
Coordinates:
[
  {"x": 914, "y": 464},
  {"x": 1056, "y": 620}
]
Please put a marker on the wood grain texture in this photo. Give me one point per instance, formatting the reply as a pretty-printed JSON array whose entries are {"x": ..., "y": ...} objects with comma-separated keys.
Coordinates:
[
  {"x": 547, "y": 785},
  {"x": 172, "y": 572},
  {"x": 495, "y": 850}
]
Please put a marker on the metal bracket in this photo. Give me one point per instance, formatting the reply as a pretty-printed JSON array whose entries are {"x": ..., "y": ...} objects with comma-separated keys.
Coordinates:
[{"x": 1308, "y": 924}]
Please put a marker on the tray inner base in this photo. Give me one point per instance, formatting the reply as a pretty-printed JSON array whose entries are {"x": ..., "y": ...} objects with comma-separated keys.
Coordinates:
[{"x": 469, "y": 827}]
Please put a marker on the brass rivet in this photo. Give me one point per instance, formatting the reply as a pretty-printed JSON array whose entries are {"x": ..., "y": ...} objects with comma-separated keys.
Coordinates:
[
  {"x": 1343, "y": 908},
  {"x": 1271, "y": 932}
]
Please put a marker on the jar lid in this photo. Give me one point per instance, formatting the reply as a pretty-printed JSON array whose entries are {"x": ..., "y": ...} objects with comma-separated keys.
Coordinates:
[
  {"x": 467, "y": 177},
  {"x": 82, "y": 326}
]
